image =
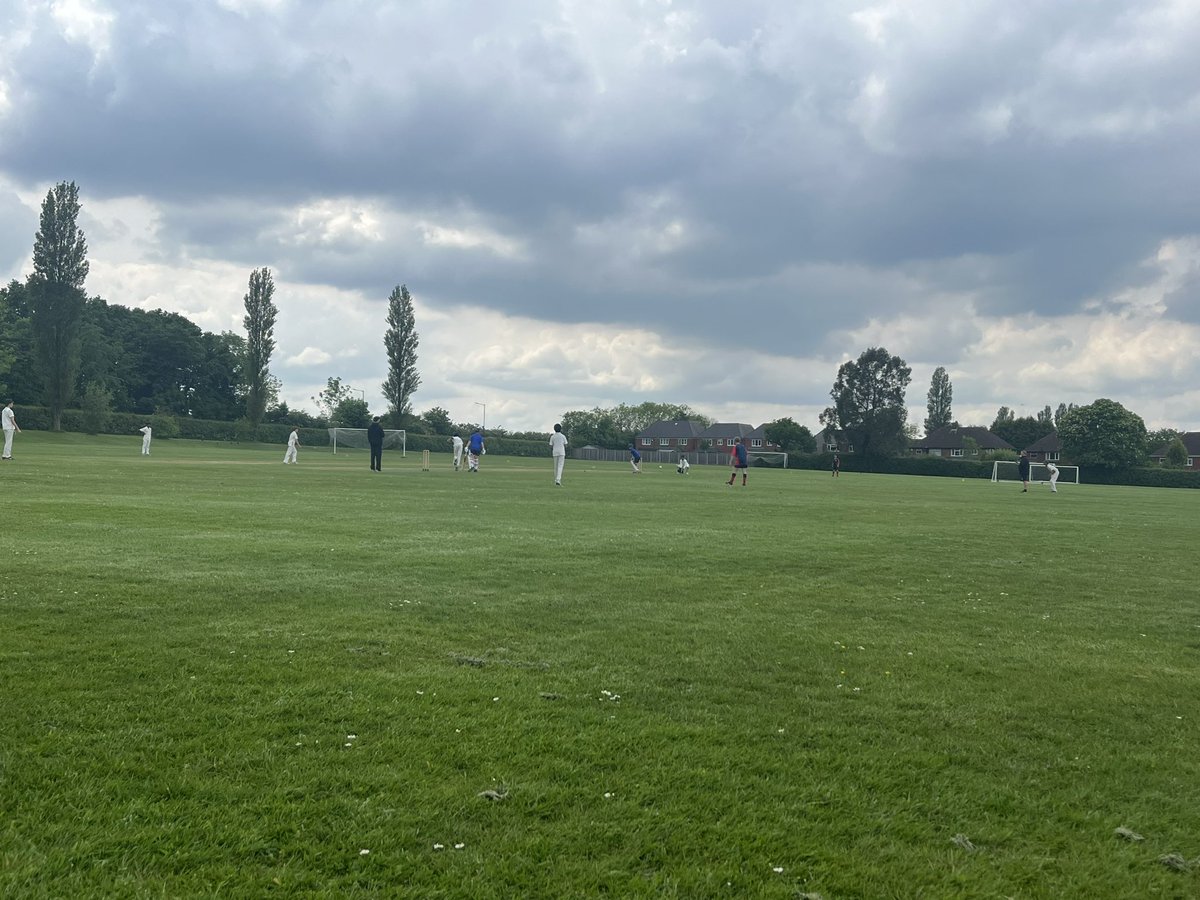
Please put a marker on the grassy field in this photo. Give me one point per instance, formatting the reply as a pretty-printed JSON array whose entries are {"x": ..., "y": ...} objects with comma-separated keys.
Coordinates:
[{"x": 221, "y": 676}]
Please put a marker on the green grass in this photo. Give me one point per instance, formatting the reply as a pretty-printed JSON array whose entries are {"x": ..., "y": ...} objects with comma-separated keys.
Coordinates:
[{"x": 681, "y": 686}]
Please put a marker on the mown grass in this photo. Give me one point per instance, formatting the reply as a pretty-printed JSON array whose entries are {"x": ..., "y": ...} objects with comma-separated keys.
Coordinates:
[{"x": 227, "y": 677}]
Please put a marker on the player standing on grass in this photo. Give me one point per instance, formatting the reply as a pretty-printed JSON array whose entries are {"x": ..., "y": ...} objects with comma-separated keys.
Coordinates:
[
  {"x": 558, "y": 450},
  {"x": 737, "y": 456},
  {"x": 1023, "y": 470},
  {"x": 635, "y": 459},
  {"x": 475, "y": 449},
  {"x": 1053, "y": 470},
  {"x": 10, "y": 428},
  {"x": 293, "y": 446},
  {"x": 837, "y": 465},
  {"x": 146, "y": 431},
  {"x": 456, "y": 445},
  {"x": 375, "y": 439}
]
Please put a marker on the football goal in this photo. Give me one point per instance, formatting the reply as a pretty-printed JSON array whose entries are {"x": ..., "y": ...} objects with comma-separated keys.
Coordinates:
[
  {"x": 1006, "y": 470},
  {"x": 774, "y": 459},
  {"x": 356, "y": 439}
]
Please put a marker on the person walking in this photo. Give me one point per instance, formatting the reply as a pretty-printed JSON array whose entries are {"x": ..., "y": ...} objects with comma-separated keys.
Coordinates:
[
  {"x": 475, "y": 449},
  {"x": 1053, "y": 470},
  {"x": 146, "y": 431},
  {"x": 375, "y": 439},
  {"x": 558, "y": 450},
  {"x": 837, "y": 465},
  {"x": 740, "y": 463},
  {"x": 1023, "y": 470},
  {"x": 456, "y": 444},
  {"x": 293, "y": 446},
  {"x": 10, "y": 428},
  {"x": 635, "y": 460}
]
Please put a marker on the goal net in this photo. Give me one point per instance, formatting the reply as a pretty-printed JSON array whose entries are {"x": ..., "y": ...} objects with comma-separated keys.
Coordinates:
[
  {"x": 1007, "y": 470},
  {"x": 774, "y": 459},
  {"x": 344, "y": 439}
]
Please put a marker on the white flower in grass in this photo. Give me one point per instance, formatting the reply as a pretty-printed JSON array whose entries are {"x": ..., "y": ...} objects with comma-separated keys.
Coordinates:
[
  {"x": 459, "y": 846},
  {"x": 608, "y": 795},
  {"x": 495, "y": 699},
  {"x": 363, "y": 852},
  {"x": 778, "y": 870},
  {"x": 439, "y": 846},
  {"x": 352, "y": 737}
]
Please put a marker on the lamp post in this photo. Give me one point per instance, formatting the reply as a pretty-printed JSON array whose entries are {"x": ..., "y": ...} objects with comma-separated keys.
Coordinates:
[{"x": 483, "y": 424}]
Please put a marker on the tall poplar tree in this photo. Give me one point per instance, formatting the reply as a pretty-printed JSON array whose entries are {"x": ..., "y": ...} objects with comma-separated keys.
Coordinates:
[
  {"x": 260, "y": 342},
  {"x": 401, "y": 341},
  {"x": 940, "y": 394},
  {"x": 56, "y": 295}
]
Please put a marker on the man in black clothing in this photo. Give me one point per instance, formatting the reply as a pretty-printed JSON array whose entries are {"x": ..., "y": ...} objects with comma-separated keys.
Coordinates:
[
  {"x": 1023, "y": 468},
  {"x": 375, "y": 439}
]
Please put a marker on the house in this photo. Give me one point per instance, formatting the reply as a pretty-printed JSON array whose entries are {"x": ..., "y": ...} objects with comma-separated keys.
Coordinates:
[
  {"x": 1191, "y": 443},
  {"x": 758, "y": 439},
  {"x": 952, "y": 441},
  {"x": 723, "y": 434},
  {"x": 1047, "y": 449},
  {"x": 683, "y": 436},
  {"x": 829, "y": 441}
]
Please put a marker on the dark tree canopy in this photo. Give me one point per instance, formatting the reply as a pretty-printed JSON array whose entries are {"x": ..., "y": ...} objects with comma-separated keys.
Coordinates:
[
  {"x": 941, "y": 393},
  {"x": 1023, "y": 431},
  {"x": 868, "y": 403},
  {"x": 260, "y": 342},
  {"x": 401, "y": 340},
  {"x": 790, "y": 437}
]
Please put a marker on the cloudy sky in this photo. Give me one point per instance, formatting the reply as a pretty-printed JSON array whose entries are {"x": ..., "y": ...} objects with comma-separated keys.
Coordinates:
[{"x": 700, "y": 202}]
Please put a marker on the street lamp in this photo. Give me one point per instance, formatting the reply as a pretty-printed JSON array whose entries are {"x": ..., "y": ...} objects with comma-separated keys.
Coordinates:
[
  {"x": 483, "y": 424},
  {"x": 362, "y": 395}
]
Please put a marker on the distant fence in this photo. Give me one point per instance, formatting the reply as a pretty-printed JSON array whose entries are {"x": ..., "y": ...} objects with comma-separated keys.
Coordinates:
[{"x": 696, "y": 458}]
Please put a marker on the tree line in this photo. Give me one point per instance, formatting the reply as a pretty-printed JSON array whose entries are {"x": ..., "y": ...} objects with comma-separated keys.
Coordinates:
[{"x": 66, "y": 349}]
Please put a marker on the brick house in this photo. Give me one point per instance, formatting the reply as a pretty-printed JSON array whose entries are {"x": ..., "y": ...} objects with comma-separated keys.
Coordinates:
[
  {"x": 832, "y": 442},
  {"x": 722, "y": 435},
  {"x": 683, "y": 436},
  {"x": 1191, "y": 443},
  {"x": 1047, "y": 449},
  {"x": 952, "y": 441}
]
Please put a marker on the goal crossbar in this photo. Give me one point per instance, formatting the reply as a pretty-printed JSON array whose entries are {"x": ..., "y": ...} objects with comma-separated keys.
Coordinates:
[
  {"x": 1008, "y": 470},
  {"x": 356, "y": 439}
]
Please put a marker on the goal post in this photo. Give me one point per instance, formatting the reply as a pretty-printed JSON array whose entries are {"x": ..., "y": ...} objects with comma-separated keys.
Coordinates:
[
  {"x": 1008, "y": 470},
  {"x": 356, "y": 439},
  {"x": 774, "y": 459}
]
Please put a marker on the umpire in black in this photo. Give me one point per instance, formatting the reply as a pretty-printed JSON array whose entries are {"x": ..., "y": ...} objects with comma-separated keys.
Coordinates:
[{"x": 375, "y": 439}]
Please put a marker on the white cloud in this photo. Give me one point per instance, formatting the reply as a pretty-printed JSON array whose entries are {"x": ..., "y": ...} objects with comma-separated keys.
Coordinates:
[{"x": 309, "y": 356}]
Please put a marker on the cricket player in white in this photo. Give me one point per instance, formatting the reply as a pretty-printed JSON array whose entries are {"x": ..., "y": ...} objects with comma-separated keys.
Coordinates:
[
  {"x": 145, "y": 430},
  {"x": 457, "y": 443},
  {"x": 293, "y": 443},
  {"x": 558, "y": 449},
  {"x": 10, "y": 428},
  {"x": 1053, "y": 470}
]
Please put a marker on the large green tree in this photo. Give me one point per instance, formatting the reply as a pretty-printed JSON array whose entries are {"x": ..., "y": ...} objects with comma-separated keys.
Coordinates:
[
  {"x": 941, "y": 393},
  {"x": 789, "y": 436},
  {"x": 259, "y": 323},
  {"x": 868, "y": 403},
  {"x": 1103, "y": 433},
  {"x": 400, "y": 340},
  {"x": 56, "y": 295}
]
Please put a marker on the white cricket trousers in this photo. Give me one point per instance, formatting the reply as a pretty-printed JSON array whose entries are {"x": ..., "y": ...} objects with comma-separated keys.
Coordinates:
[
  {"x": 8, "y": 436},
  {"x": 290, "y": 456},
  {"x": 558, "y": 467}
]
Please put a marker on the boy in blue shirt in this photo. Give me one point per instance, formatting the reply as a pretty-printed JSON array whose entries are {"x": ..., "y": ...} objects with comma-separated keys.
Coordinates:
[
  {"x": 738, "y": 457},
  {"x": 475, "y": 449},
  {"x": 635, "y": 459}
]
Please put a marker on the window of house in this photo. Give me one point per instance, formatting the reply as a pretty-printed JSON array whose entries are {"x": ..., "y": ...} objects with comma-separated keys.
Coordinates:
[
  {"x": 1052, "y": 456},
  {"x": 720, "y": 442},
  {"x": 831, "y": 448},
  {"x": 664, "y": 442},
  {"x": 757, "y": 442},
  {"x": 956, "y": 451},
  {"x": 647, "y": 442},
  {"x": 1191, "y": 462}
]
